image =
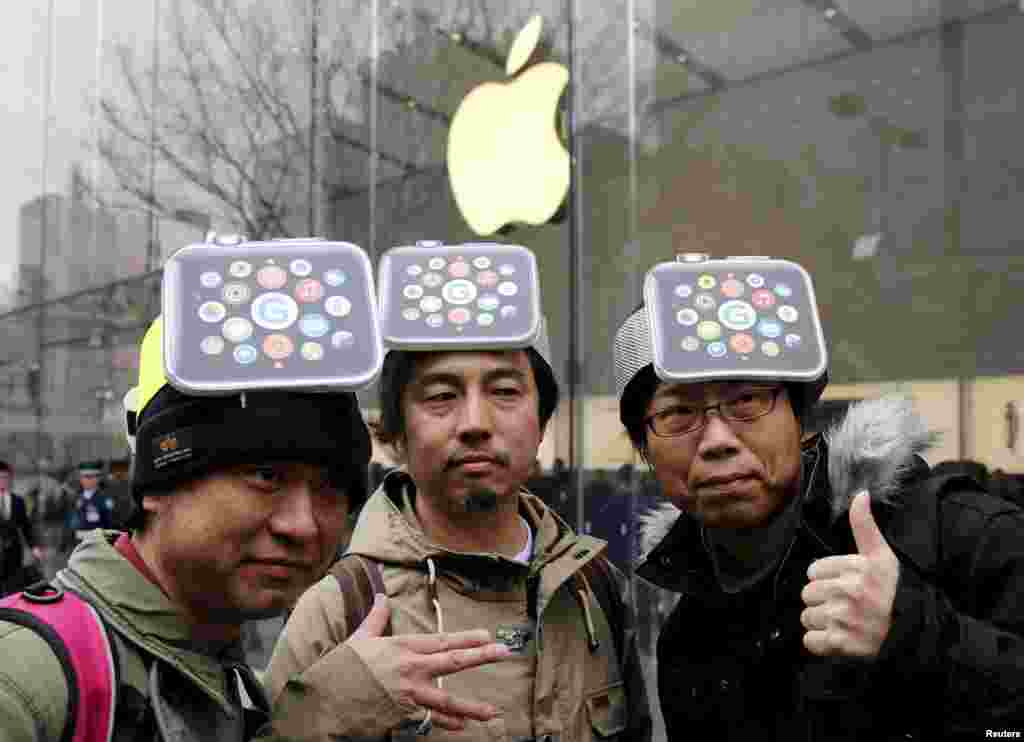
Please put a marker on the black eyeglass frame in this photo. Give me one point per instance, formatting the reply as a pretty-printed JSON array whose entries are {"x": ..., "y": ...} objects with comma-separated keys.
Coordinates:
[{"x": 702, "y": 420}]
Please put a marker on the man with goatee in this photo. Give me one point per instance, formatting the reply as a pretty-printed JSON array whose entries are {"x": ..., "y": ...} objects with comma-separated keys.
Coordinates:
[{"x": 460, "y": 545}]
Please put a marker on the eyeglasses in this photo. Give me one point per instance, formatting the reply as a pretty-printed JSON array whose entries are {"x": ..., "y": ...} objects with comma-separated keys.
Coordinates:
[{"x": 745, "y": 407}]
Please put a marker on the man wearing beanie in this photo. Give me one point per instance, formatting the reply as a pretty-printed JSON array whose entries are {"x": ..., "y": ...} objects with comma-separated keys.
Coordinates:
[
  {"x": 459, "y": 543},
  {"x": 242, "y": 501},
  {"x": 831, "y": 587}
]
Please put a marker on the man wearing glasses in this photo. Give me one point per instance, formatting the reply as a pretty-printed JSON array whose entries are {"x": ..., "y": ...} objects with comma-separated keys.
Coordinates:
[{"x": 830, "y": 587}]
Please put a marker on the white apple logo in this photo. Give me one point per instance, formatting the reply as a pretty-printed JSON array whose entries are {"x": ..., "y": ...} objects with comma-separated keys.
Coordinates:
[{"x": 505, "y": 160}]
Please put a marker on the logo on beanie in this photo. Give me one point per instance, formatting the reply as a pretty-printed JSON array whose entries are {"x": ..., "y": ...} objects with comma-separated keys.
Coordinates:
[{"x": 172, "y": 448}]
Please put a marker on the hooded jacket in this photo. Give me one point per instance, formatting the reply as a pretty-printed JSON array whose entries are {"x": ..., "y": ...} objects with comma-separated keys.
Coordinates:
[
  {"x": 192, "y": 690},
  {"x": 559, "y": 687},
  {"x": 733, "y": 666}
]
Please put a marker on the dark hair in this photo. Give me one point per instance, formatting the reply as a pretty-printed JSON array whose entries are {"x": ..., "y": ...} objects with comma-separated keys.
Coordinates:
[
  {"x": 397, "y": 372},
  {"x": 633, "y": 406},
  {"x": 4, "y": 466}
]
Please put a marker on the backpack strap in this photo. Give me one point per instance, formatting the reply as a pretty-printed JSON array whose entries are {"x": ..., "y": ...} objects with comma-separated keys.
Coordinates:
[
  {"x": 598, "y": 574},
  {"x": 359, "y": 579},
  {"x": 78, "y": 637}
]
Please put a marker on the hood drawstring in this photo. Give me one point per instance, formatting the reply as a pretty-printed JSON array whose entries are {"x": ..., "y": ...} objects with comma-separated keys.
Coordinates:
[
  {"x": 585, "y": 596},
  {"x": 427, "y": 725}
]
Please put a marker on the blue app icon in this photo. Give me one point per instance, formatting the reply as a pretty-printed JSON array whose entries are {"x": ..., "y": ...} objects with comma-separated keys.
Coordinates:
[
  {"x": 314, "y": 325},
  {"x": 769, "y": 328},
  {"x": 717, "y": 349},
  {"x": 335, "y": 277},
  {"x": 246, "y": 354}
]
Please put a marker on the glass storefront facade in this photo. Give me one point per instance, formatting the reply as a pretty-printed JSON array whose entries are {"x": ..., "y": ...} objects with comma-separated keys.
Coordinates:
[{"x": 876, "y": 143}]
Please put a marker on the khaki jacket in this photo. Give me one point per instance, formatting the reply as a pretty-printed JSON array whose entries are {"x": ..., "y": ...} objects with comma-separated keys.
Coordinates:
[
  {"x": 557, "y": 689},
  {"x": 202, "y": 699}
]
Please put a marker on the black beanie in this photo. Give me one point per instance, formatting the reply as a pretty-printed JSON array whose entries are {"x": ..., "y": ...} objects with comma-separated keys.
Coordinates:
[{"x": 181, "y": 437}]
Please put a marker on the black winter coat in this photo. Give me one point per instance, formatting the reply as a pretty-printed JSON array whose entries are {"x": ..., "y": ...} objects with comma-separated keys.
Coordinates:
[{"x": 733, "y": 667}]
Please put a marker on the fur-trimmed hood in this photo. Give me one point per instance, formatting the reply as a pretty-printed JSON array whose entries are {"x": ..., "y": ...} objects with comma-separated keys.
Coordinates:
[{"x": 877, "y": 442}]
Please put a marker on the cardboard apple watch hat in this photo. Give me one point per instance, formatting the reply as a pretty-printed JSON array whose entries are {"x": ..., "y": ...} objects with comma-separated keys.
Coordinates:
[
  {"x": 744, "y": 318},
  {"x": 470, "y": 296},
  {"x": 176, "y": 435}
]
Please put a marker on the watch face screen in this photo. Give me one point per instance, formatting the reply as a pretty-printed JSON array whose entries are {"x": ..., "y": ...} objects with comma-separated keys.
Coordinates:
[
  {"x": 731, "y": 318},
  {"x": 264, "y": 315},
  {"x": 479, "y": 295}
]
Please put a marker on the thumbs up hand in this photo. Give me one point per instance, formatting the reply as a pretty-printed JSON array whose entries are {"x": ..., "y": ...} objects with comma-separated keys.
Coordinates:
[{"x": 849, "y": 598}]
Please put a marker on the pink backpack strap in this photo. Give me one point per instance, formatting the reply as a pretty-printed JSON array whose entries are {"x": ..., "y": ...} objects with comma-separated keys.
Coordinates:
[{"x": 78, "y": 637}]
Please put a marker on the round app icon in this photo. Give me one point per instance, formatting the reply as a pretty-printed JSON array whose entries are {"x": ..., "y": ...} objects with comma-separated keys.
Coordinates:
[
  {"x": 737, "y": 315},
  {"x": 770, "y": 348},
  {"x": 684, "y": 290},
  {"x": 314, "y": 325},
  {"x": 309, "y": 290},
  {"x": 508, "y": 311},
  {"x": 487, "y": 279},
  {"x": 236, "y": 293},
  {"x": 434, "y": 320},
  {"x": 430, "y": 304},
  {"x": 413, "y": 270},
  {"x": 278, "y": 346},
  {"x": 787, "y": 313},
  {"x": 432, "y": 280},
  {"x": 481, "y": 262},
  {"x": 706, "y": 282},
  {"x": 763, "y": 299},
  {"x": 274, "y": 311},
  {"x": 343, "y": 339},
  {"x": 411, "y": 313},
  {"x": 732, "y": 288},
  {"x": 506, "y": 269},
  {"x": 236, "y": 329},
  {"x": 459, "y": 291},
  {"x": 212, "y": 345},
  {"x": 689, "y": 343},
  {"x": 716, "y": 349},
  {"x": 709, "y": 330},
  {"x": 335, "y": 277},
  {"x": 212, "y": 311},
  {"x": 458, "y": 269},
  {"x": 312, "y": 351},
  {"x": 301, "y": 267},
  {"x": 687, "y": 317},
  {"x": 769, "y": 328},
  {"x": 271, "y": 277},
  {"x": 741, "y": 343},
  {"x": 783, "y": 290},
  {"x": 488, "y": 302},
  {"x": 484, "y": 319},
  {"x": 436, "y": 264},
  {"x": 459, "y": 316},
  {"x": 413, "y": 291},
  {"x": 755, "y": 280},
  {"x": 240, "y": 269},
  {"x": 246, "y": 354},
  {"x": 338, "y": 306},
  {"x": 705, "y": 302},
  {"x": 507, "y": 288},
  {"x": 210, "y": 279},
  {"x": 793, "y": 340}
]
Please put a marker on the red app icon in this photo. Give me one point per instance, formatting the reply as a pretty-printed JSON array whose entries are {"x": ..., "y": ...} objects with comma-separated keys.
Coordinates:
[
  {"x": 309, "y": 290},
  {"x": 762, "y": 299},
  {"x": 742, "y": 343}
]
